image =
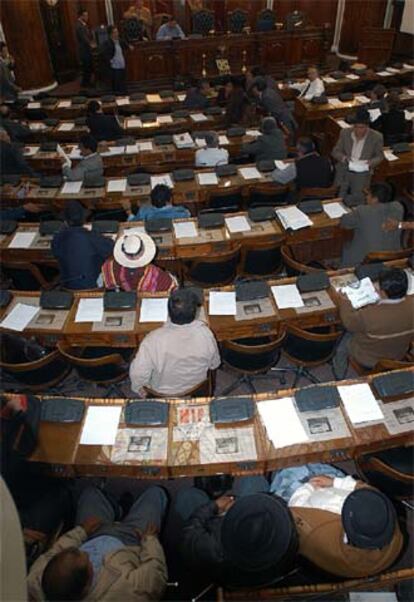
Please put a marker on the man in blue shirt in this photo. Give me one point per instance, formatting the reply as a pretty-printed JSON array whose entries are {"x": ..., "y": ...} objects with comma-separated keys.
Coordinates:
[
  {"x": 113, "y": 53},
  {"x": 170, "y": 30},
  {"x": 161, "y": 206}
]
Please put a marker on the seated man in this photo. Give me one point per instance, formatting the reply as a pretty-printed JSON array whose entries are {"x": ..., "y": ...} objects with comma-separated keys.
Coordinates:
[
  {"x": 392, "y": 123},
  {"x": 176, "y": 357},
  {"x": 345, "y": 527},
  {"x": 131, "y": 269},
  {"x": 198, "y": 96},
  {"x": 358, "y": 152},
  {"x": 17, "y": 130},
  {"x": 270, "y": 145},
  {"x": 80, "y": 253},
  {"x": 102, "y": 126},
  {"x": 309, "y": 169},
  {"x": 91, "y": 164},
  {"x": 378, "y": 97},
  {"x": 170, "y": 30},
  {"x": 212, "y": 155},
  {"x": 101, "y": 559},
  {"x": 12, "y": 161},
  {"x": 311, "y": 87},
  {"x": 272, "y": 103},
  {"x": 161, "y": 206},
  {"x": 367, "y": 221},
  {"x": 381, "y": 331}
]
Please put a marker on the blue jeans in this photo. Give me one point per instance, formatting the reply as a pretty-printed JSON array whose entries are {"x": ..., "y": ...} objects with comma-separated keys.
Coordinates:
[{"x": 286, "y": 481}]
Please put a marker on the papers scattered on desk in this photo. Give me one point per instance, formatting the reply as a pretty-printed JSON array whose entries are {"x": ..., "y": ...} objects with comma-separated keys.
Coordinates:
[
  {"x": 335, "y": 102},
  {"x": 358, "y": 166},
  {"x": 250, "y": 173},
  {"x": 101, "y": 425},
  {"x": 343, "y": 123},
  {"x": 200, "y": 142},
  {"x": 282, "y": 423},
  {"x": 328, "y": 80},
  {"x": 362, "y": 99},
  {"x": 409, "y": 115},
  {"x": 22, "y": 240},
  {"x": 71, "y": 187},
  {"x": 287, "y": 296},
  {"x": 162, "y": 119},
  {"x": 19, "y": 317},
  {"x": 165, "y": 179},
  {"x": 117, "y": 185},
  {"x": 140, "y": 445},
  {"x": 197, "y": 117},
  {"x": 35, "y": 127},
  {"x": 133, "y": 123},
  {"x": 374, "y": 114},
  {"x": 34, "y": 105},
  {"x": 153, "y": 98},
  {"x": 362, "y": 295},
  {"x": 183, "y": 140},
  {"x": 253, "y": 133},
  {"x": 389, "y": 155},
  {"x": 181, "y": 97},
  {"x": 207, "y": 178},
  {"x": 185, "y": 230},
  {"x": 222, "y": 304},
  {"x": 64, "y": 104},
  {"x": 66, "y": 127},
  {"x": 360, "y": 403},
  {"x": 154, "y": 310},
  {"x": 90, "y": 310},
  {"x": 121, "y": 102},
  {"x": 384, "y": 73},
  {"x": 281, "y": 165},
  {"x": 29, "y": 151},
  {"x": 407, "y": 66},
  {"x": 409, "y": 92},
  {"x": 293, "y": 218},
  {"x": 131, "y": 149},
  {"x": 352, "y": 76},
  {"x": 145, "y": 146},
  {"x": 238, "y": 223},
  {"x": 223, "y": 140},
  {"x": 334, "y": 210}
]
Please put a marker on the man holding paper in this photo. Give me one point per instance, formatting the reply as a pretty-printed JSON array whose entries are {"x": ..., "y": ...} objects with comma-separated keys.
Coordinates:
[{"x": 91, "y": 164}]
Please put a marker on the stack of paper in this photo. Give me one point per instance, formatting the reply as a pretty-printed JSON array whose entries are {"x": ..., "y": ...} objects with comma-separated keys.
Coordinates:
[
  {"x": 133, "y": 123},
  {"x": 29, "y": 151},
  {"x": 207, "y": 178},
  {"x": 335, "y": 102},
  {"x": 185, "y": 230},
  {"x": 364, "y": 294},
  {"x": 101, "y": 425},
  {"x": 384, "y": 73},
  {"x": 22, "y": 240},
  {"x": 334, "y": 210},
  {"x": 250, "y": 173},
  {"x": 409, "y": 92},
  {"x": 34, "y": 105},
  {"x": 200, "y": 142},
  {"x": 183, "y": 140},
  {"x": 131, "y": 149},
  {"x": 121, "y": 102},
  {"x": 238, "y": 223},
  {"x": 90, "y": 310},
  {"x": 328, "y": 79},
  {"x": 154, "y": 310},
  {"x": 408, "y": 66},
  {"x": 287, "y": 296},
  {"x": 64, "y": 104},
  {"x": 19, "y": 317},
  {"x": 389, "y": 155},
  {"x": 362, "y": 99},
  {"x": 360, "y": 403},
  {"x": 71, "y": 187},
  {"x": 222, "y": 304},
  {"x": 37, "y": 126},
  {"x": 282, "y": 423},
  {"x": 153, "y": 98},
  {"x": 66, "y": 127},
  {"x": 343, "y": 123},
  {"x": 117, "y": 185},
  {"x": 163, "y": 119},
  {"x": 358, "y": 166},
  {"x": 198, "y": 117},
  {"x": 293, "y": 218},
  {"x": 392, "y": 69},
  {"x": 374, "y": 114},
  {"x": 145, "y": 146},
  {"x": 352, "y": 76},
  {"x": 253, "y": 133},
  {"x": 165, "y": 179},
  {"x": 223, "y": 140}
]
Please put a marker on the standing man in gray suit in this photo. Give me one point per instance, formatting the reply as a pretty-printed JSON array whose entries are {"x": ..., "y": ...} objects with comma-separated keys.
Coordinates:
[{"x": 358, "y": 152}]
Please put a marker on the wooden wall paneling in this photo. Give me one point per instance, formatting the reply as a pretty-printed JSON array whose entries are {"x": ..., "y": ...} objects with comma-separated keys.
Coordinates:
[
  {"x": 359, "y": 14},
  {"x": 26, "y": 37},
  {"x": 319, "y": 12},
  {"x": 60, "y": 37},
  {"x": 253, "y": 7}
]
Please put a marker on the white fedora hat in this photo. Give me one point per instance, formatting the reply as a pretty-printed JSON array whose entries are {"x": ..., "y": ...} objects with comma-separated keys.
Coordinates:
[{"x": 134, "y": 250}]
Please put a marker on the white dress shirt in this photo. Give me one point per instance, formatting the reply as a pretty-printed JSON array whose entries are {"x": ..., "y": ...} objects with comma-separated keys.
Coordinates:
[
  {"x": 330, "y": 499},
  {"x": 210, "y": 157},
  {"x": 308, "y": 89},
  {"x": 357, "y": 146}
]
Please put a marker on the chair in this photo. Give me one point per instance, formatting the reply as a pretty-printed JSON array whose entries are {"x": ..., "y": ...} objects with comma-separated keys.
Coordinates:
[
  {"x": 266, "y": 20},
  {"x": 390, "y": 470},
  {"x": 260, "y": 258},
  {"x": 26, "y": 276},
  {"x": 331, "y": 192},
  {"x": 381, "y": 256},
  {"x": 133, "y": 29},
  {"x": 251, "y": 358},
  {"x": 231, "y": 199},
  {"x": 203, "y": 21},
  {"x": 293, "y": 266},
  {"x": 383, "y": 365},
  {"x": 260, "y": 195},
  {"x": 237, "y": 20},
  {"x": 216, "y": 270},
  {"x": 203, "y": 389}
]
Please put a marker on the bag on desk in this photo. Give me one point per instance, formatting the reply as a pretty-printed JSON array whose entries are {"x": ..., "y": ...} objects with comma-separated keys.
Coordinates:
[
  {"x": 370, "y": 270},
  {"x": 80, "y": 121},
  {"x": 180, "y": 114},
  {"x": 108, "y": 98},
  {"x": 226, "y": 170},
  {"x": 401, "y": 147},
  {"x": 62, "y": 410},
  {"x": 163, "y": 139},
  {"x": 166, "y": 93},
  {"x": 265, "y": 165},
  {"x": 315, "y": 281},
  {"x": 137, "y": 96},
  {"x": 125, "y": 141},
  {"x": 105, "y": 227},
  {"x": 236, "y": 131},
  {"x": 314, "y": 399},
  {"x": 139, "y": 179},
  {"x": 51, "y": 122},
  {"x": 261, "y": 214},
  {"x": 148, "y": 117},
  {"x": 320, "y": 100},
  {"x": 183, "y": 175},
  {"x": 79, "y": 100},
  {"x": 93, "y": 181},
  {"x": 50, "y": 227},
  {"x": 49, "y": 101},
  {"x": 250, "y": 291},
  {"x": 213, "y": 111},
  {"x": 51, "y": 181},
  {"x": 7, "y": 226},
  {"x": 162, "y": 224},
  {"x": 48, "y": 147},
  {"x": 211, "y": 220},
  {"x": 56, "y": 299},
  {"x": 149, "y": 413},
  {"x": 311, "y": 206},
  {"x": 345, "y": 96},
  {"x": 5, "y": 297},
  {"x": 119, "y": 300},
  {"x": 337, "y": 75}
]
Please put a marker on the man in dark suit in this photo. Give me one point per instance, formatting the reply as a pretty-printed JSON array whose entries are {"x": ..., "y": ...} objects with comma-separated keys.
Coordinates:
[
  {"x": 270, "y": 145},
  {"x": 12, "y": 161},
  {"x": 272, "y": 103},
  {"x": 197, "y": 97},
  {"x": 18, "y": 131},
  {"x": 310, "y": 170},
  {"x": 114, "y": 60},
  {"x": 85, "y": 45},
  {"x": 392, "y": 123},
  {"x": 102, "y": 126}
]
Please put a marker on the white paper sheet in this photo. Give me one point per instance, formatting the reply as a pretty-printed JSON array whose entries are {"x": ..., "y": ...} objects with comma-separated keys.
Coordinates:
[
  {"x": 352, "y": 76},
  {"x": 389, "y": 155},
  {"x": 407, "y": 66},
  {"x": 287, "y": 296},
  {"x": 185, "y": 230},
  {"x": 145, "y": 146},
  {"x": 374, "y": 114},
  {"x": 197, "y": 117},
  {"x": 281, "y": 165},
  {"x": 392, "y": 69},
  {"x": 181, "y": 97},
  {"x": 334, "y": 210},
  {"x": 154, "y": 310},
  {"x": 282, "y": 422},
  {"x": 66, "y": 127},
  {"x": 384, "y": 73},
  {"x": 237, "y": 223},
  {"x": 183, "y": 140},
  {"x": 200, "y": 142},
  {"x": 343, "y": 123},
  {"x": 162, "y": 119},
  {"x": 294, "y": 218},
  {"x": 19, "y": 317},
  {"x": 222, "y": 304},
  {"x": 101, "y": 425},
  {"x": 29, "y": 151},
  {"x": 253, "y": 133},
  {"x": 121, "y": 102},
  {"x": 335, "y": 102},
  {"x": 409, "y": 92},
  {"x": 360, "y": 403},
  {"x": 164, "y": 179},
  {"x": 134, "y": 123},
  {"x": 37, "y": 126},
  {"x": 75, "y": 153},
  {"x": 71, "y": 187},
  {"x": 363, "y": 295},
  {"x": 328, "y": 79},
  {"x": 117, "y": 185},
  {"x": 223, "y": 140},
  {"x": 410, "y": 276},
  {"x": 358, "y": 166},
  {"x": 153, "y": 98},
  {"x": 64, "y": 104},
  {"x": 34, "y": 105},
  {"x": 131, "y": 149},
  {"x": 409, "y": 115},
  {"x": 22, "y": 240},
  {"x": 250, "y": 173},
  {"x": 207, "y": 178},
  {"x": 113, "y": 151},
  {"x": 362, "y": 99},
  {"x": 90, "y": 310},
  {"x": 373, "y": 597}
]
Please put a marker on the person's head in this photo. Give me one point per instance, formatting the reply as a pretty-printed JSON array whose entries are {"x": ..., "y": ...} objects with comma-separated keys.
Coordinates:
[
  {"x": 259, "y": 86},
  {"x": 182, "y": 306},
  {"x": 212, "y": 140},
  {"x": 172, "y": 21},
  {"x": 113, "y": 32},
  {"x": 83, "y": 14},
  {"x": 313, "y": 73},
  {"x": 87, "y": 145},
  {"x": 378, "y": 92},
  {"x": 134, "y": 249},
  {"x": 67, "y": 576},
  {"x": 228, "y": 86},
  {"x": 379, "y": 192},
  {"x": 161, "y": 195},
  {"x": 394, "y": 283},
  {"x": 93, "y": 107},
  {"x": 268, "y": 125},
  {"x": 304, "y": 146},
  {"x": 4, "y": 110},
  {"x": 361, "y": 123},
  {"x": 3, "y": 49},
  {"x": 204, "y": 86},
  {"x": 74, "y": 213},
  {"x": 4, "y": 137}
]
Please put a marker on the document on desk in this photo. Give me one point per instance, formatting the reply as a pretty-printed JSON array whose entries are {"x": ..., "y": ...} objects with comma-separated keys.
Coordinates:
[
  {"x": 358, "y": 166},
  {"x": 66, "y": 127},
  {"x": 335, "y": 102},
  {"x": 334, "y": 210},
  {"x": 185, "y": 230},
  {"x": 328, "y": 79},
  {"x": 22, "y": 240},
  {"x": 90, "y": 310},
  {"x": 132, "y": 149},
  {"x": 117, "y": 185},
  {"x": 361, "y": 98},
  {"x": 19, "y": 317},
  {"x": 34, "y": 105},
  {"x": 207, "y": 179},
  {"x": 197, "y": 117},
  {"x": 374, "y": 114},
  {"x": 392, "y": 70},
  {"x": 253, "y": 133},
  {"x": 389, "y": 155},
  {"x": 343, "y": 124},
  {"x": 281, "y": 165},
  {"x": 409, "y": 115},
  {"x": 37, "y": 126},
  {"x": 75, "y": 153},
  {"x": 164, "y": 179},
  {"x": 237, "y": 223},
  {"x": 201, "y": 142},
  {"x": 163, "y": 119},
  {"x": 72, "y": 187},
  {"x": 293, "y": 218},
  {"x": 140, "y": 445},
  {"x": 410, "y": 276},
  {"x": 154, "y": 310},
  {"x": 64, "y": 104},
  {"x": 384, "y": 73},
  {"x": 122, "y": 102},
  {"x": 399, "y": 415},
  {"x": 133, "y": 123},
  {"x": 362, "y": 293},
  {"x": 360, "y": 403},
  {"x": 222, "y": 304},
  {"x": 145, "y": 146},
  {"x": 287, "y": 296},
  {"x": 282, "y": 422},
  {"x": 29, "y": 151},
  {"x": 181, "y": 97},
  {"x": 153, "y": 98},
  {"x": 409, "y": 91},
  {"x": 352, "y": 76},
  {"x": 250, "y": 173},
  {"x": 101, "y": 425},
  {"x": 183, "y": 140},
  {"x": 223, "y": 140}
]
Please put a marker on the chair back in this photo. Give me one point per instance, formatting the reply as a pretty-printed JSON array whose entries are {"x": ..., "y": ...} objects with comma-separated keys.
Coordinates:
[
  {"x": 266, "y": 20},
  {"x": 203, "y": 21},
  {"x": 237, "y": 20},
  {"x": 330, "y": 192},
  {"x": 203, "y": 389},
  {"x": 229, "y": 198},
  {"x": 308, "y": 348},
  {"x": 253, "y": 355},
  {"x": 381, "y": 256},
  {"x": 25, "y": 276},
  {"x": 261, "y": 258},
  {"x": 292, "y": 265},
  {"x": 215, "y": 270},
  {"x": 260, "y": 195},
  {"x": 133, "y": 29},
  {"x": 390, "y": 470},
  {"x": 95, "y": 364}
]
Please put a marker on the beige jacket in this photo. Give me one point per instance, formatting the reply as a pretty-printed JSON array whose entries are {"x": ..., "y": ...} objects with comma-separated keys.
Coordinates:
[{"x": 133, "y": 573}]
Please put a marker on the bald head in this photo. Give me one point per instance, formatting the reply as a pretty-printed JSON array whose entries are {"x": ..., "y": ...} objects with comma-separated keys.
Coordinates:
[{"x": 67, "y": 576}]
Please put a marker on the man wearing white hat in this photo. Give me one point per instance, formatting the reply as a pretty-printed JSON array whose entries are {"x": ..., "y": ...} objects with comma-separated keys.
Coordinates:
[{"x": 131, "y": 269}]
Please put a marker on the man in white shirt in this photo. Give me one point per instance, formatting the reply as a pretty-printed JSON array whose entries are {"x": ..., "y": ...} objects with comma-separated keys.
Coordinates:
[
  {"x": 311, "y": 87},
  {"x": 212, "y": 155},
  {"x": 170, "y": 30},
  {"x": 176, "y": 357}
]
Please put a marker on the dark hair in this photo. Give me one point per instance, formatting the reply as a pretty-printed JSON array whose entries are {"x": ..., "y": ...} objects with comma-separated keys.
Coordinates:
[
  {"x": 93, "y": 107},
  {"x": 260, "y": 84},
  {"x": 74, "y": 213},
  {"x": 306, "y": 144},
  {"x": 161, "y": 195},
  {"x": 89, "y": 142},
  {"x": 394, "y": 283},
  {"x": 362, "y": 116},
  {"x": 202, "y": 82},
  {"x": 64, "y": 578},
  {"x": 212, "y": 139},
  {"x": 82, "y": 10},
  {"x": 381, "y": 191},
  {"x": 182, "y": 306},
  {"x": 379, "y": 90}
]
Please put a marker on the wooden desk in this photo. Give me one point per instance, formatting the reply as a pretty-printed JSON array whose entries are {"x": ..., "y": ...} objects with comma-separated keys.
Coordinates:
[{"x": 59, "y": 452}]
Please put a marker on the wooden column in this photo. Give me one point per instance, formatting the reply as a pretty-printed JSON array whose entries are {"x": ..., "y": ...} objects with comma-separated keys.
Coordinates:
[
  {"x": 358, "y": 15},
  {"x": 26, "y": 39}
]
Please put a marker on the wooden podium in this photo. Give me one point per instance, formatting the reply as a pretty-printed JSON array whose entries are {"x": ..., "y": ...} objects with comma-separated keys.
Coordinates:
[{"x": 375, "y": 46}]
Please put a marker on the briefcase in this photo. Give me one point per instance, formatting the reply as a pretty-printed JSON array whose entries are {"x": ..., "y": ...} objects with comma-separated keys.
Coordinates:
[
  {"x": 161, "y": 224},
  {"x": 148, "y": 117},
  {"x": 56, "y": 300},
  {"x": 48, "y": 101},
  {"x": 51, "y": 122},
  {"x": 120, "y": 300},
  {"x": 231, "y": 409},
  {"x": 166, "y": 93},
  {"x": 108, "y": 98},
  {"x": 183, "y": 175},
  {"x": 139, "y": 179},
  {"x": 265, "y": 165},
  {"x": 345, "y": 96},
  {"x": 337, "y": 75},
  {"x": 261, "y": 214},
  {"x": 211, "y": 220},
  {"x": 213, "y": 110},
  {"x": 62, "y": 409},
  {"x": 92, "y": 181},
  {"x": 180, "y": 114},
  {"x": 105, "y": 226},
  {"x": 80, "y": 121},
  {"x": 250, "y": 291},
  {"x": 226, "y": 170},
  {"x": 7, "y": 226},
  {"x": 394, "y": 384},
  {"x": 50, "y": 227},
  {"x": 236, "y": 132},
  {"x": 370, "y": 270},
  {"x": 315, "y": 281},
  {"x": 320, "y": 100},
  {"x": 149, "y": 413},
  {"x": 79, "y": 100},
  {"x": 137, "y": 96},
  {"x": 5, "y": 297},
  {"x": 125, "y": 141},
  {"x": 313, "y": 399},
  {"x": 311, "y": 206},
  {"x": 163, "y": 139},
  {"x": 51, "y": 181},
  {"x": 48, "y": 147},
  {"x": 401, "y": 147}
]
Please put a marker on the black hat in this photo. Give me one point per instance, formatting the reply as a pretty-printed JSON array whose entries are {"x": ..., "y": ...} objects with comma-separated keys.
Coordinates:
[
  {"x": 368, "y": 518},
  {"x": 258, "y": 533},
  {"x": 74, "y": 213}
]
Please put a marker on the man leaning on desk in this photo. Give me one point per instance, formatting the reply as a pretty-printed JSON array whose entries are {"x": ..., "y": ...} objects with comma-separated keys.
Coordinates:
[{"x": 170, "y": 30}]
